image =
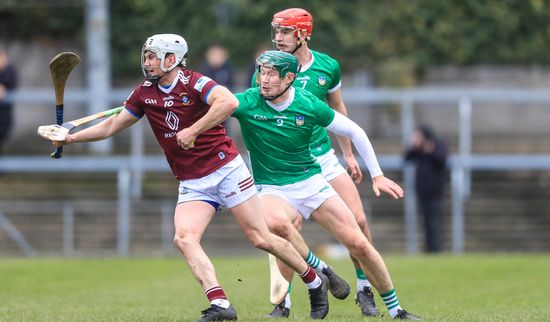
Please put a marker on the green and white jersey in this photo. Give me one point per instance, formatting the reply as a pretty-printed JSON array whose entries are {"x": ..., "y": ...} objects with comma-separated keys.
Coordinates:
[
  {"x": 278, "y": 137},
  {"x": 320, "y": 77}
]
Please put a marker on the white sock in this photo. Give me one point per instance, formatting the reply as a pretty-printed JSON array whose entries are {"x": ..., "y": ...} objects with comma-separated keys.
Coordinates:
[
  {"x": 221, "y": 302},
  {"x": 361, "y": 283},
  {"x": 287, "y": 301},
  {"x": 315, "y": 284}
]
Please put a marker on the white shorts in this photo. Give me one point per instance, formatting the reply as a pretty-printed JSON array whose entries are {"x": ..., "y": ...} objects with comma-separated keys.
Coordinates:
[
  {"x": 305, "y": 196},
  {"x": 330, "y": 166},
  {"x": 228, "y": 186}
]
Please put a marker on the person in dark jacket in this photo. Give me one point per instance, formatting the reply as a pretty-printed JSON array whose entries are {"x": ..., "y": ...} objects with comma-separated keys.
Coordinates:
[
  {"x": 429, "y": 153},
  {"x": 8, "y": 82}
]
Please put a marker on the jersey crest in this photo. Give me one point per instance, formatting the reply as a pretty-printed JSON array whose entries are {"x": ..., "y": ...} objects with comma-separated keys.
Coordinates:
[
  {"x": 185, "y": 99},
  {"x": 322, "y": 80},
  {"x": 300, "y": 120}
]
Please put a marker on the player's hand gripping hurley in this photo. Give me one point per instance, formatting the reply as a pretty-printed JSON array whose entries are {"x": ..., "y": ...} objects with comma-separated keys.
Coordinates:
[
  {"x": 60, "y": 67},
  {"x": 57, "y": 132}
]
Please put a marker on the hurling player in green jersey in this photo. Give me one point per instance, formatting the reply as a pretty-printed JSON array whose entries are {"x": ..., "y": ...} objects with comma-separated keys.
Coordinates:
[
  {"x": 277, "y": 121},
  {"x": 320, "y": 75}
]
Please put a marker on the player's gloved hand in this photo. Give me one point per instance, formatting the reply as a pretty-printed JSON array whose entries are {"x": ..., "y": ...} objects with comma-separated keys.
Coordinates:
[{"x": 381, "y": 183}]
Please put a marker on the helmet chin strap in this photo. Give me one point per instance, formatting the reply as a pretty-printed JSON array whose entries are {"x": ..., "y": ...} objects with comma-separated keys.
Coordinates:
[
  {"x": 156, "y": 78},
  {"x": 297, "y": 47},
  {"x": 274, "y": 97},
  {"x": 300, "y": 43}
]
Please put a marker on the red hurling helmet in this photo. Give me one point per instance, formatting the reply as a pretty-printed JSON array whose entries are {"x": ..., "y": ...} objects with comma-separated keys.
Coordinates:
[{"x": 295, "y": 18}]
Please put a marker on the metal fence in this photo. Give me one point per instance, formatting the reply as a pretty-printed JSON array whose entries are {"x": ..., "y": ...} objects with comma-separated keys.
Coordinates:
[{"x": 130, "y": 168}]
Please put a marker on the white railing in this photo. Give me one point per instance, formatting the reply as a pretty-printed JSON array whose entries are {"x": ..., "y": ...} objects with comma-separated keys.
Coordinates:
[{"x": 130, "y": 168}]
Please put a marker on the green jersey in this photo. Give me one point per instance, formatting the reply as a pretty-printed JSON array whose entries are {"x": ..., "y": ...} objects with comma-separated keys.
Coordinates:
[
  {"x": 278, "y": 137},
  {"x": 320, "y": 77}
]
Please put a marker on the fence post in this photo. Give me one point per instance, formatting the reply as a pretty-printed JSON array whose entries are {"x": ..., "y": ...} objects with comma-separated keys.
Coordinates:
[
  {"x": 457, "y": 183},
  {"x": 123, "y": 225},
  {"x": 465, "y": 141},
  {"x": 407, "y": 124},
  {"x": 167, "y": 228}
]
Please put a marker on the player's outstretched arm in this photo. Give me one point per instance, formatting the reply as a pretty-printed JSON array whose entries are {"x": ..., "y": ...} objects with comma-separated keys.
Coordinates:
[
  {"x": 101, "y": 130},
  {"x": 222, "y": 104},
  {"x": 341, "y": 125}
]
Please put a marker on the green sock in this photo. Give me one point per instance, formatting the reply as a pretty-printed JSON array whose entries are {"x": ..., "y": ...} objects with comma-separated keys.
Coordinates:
[
  {"x": 315, "y": 262},
  {"x": 390, "y": 299}
]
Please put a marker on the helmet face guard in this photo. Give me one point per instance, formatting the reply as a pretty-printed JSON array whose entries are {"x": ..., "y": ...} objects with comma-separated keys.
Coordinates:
[
  {"x": 296, "y": 19},
  {"x": 283, "y": 62},
  {"x": 162, "y": 45}
]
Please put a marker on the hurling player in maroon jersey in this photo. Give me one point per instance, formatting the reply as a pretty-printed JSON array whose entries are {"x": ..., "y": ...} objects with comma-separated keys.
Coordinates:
[{"x": 185, "y": 109}]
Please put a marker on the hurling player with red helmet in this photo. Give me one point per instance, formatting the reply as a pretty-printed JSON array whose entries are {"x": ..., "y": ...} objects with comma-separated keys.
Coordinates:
[{"x": 320, "y": 75}]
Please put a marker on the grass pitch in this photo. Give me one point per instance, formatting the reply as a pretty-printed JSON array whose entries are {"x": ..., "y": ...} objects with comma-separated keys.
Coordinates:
[{"x": 439, "y": 288}]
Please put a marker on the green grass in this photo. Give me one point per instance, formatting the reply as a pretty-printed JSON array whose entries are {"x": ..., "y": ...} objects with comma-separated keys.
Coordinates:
[{"x": 439, "y": 288}]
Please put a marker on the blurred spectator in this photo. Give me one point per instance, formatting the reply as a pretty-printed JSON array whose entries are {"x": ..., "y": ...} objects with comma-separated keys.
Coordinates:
[
  {"x": 217, "y": 66},
  {"x": 8, "y": 82},
  {"x": 249, "y": 82},
  {"x": 429, "y": 153}
]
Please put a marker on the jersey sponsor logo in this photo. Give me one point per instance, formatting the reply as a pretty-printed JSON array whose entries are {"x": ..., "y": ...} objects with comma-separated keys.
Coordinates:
[
  {"x": 300, "y": 119},
  {"x": 184, "y": 190},
  {"x": 199, "y": 85},
  {"x": 172, "y": 120},
  {"x": 150, "y": 101},
  {"x": 231, "y": 194},
  {"x": 325, "y": 188},
  {"x": 260, "y": 117},
  {"x": 169, "y": 97},
  {"x": 322, "y": 80},
  {"x": 168, "y": 135}
]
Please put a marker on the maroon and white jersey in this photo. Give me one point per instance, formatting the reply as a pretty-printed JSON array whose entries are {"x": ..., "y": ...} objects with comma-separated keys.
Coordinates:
[{"x": 171, "y": 109}]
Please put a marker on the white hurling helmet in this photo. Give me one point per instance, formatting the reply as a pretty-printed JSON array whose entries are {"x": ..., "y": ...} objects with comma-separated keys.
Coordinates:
[{"x": 161, "y": 45}]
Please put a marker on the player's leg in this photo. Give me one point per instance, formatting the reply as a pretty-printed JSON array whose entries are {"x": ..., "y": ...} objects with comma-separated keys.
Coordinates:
[
  {"x": 334, "y": 215},
  {"x": 280, "y": 217},
  {"x": 191, "y": 219},
  {"x": 237, "y": 192},
  {"x": 347, "y": 190},
  {"x": 256, "y": 230}
]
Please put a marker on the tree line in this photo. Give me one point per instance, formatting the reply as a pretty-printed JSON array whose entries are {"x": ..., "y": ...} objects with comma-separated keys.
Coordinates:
[{"x": 361, "y": 34}]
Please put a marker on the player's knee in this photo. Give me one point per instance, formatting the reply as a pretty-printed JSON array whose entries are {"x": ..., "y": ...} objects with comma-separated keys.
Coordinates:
[
  {"x": 361, "y": 221},
  {"x": 281, "y": 229},
  {"x": 184, "y": 239},
  {"x": 276, "y": 221},
  {"x": 358, "y": 246}
]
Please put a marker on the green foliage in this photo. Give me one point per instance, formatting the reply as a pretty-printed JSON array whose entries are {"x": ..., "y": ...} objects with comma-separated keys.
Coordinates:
[
  {"x": 41, "y": 19},
  {"x": 362, "y": 34}
]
